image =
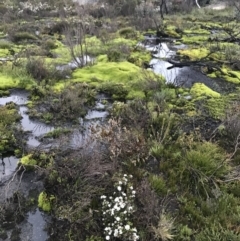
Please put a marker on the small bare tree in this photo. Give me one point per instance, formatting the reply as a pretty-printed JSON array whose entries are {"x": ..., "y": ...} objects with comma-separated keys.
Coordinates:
[{"x": 75, "y": 36}]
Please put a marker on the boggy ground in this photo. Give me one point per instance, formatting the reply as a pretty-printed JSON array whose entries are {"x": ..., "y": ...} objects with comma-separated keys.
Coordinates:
[{"x": 166, "y": 161}]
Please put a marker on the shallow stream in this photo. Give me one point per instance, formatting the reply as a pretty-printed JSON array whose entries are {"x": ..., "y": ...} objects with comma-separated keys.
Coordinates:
[
  {"x": 185, "y": 76},
  {"x": 33, "y": 227}
]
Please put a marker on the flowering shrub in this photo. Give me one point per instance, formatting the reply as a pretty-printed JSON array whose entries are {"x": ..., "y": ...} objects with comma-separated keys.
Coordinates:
[{"x": 117, "y": 211}]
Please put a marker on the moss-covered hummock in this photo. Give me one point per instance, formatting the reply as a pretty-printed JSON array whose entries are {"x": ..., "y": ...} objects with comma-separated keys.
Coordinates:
[
  {"x": 114, "y": 73},
  {"x": 227, "y": 74},
  {"x": 8, "y": 117},
  {"x": 195, "y": 39},
  {"x": 14, "y": 77},
  {"x": 194, "y": 53},
  {"x": 45, "y": 202},
  {"x": 201, "y": 90},
  {"x": 28, "y": 161},
  {"x": 7, "y": 82},
  {"x": 140, "y": 57}
]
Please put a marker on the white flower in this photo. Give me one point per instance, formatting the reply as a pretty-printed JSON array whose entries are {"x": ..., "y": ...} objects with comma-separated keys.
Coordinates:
[
  {"x": 103, "y": 197},
  {"x": 125, "y": 175},
  {"x": 127, "y": 227},
  {"x": 120, "y": 183},
  {"x": 122, "y": 205},
  {"x": 133, "y": 192},
  {"x": 130, "y": 208},
  {"x": 124, "y": 194},
  {"x": 118, "y": 219},
  {"x": 130, "y": 176},
  {"x": 119, "y": 188},
  {"x": 115, "y": 233},
  {"x": 135, "y": 237},
  {"x": 131, "y": 187},
  {"x": 116, "y": 199},
  {"x": 112, "y": 212},
  {"x": 107, "y": 237}
]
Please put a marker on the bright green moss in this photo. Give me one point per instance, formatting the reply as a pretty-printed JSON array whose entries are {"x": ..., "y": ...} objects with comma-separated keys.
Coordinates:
[
  {"x": 7, "y": 82},
  {"x": 171, "y": 31},
  {"x": 102, "y": 58},
  {"x": 13, "y": 78},
  {"x": 28, "y": 161},
  {"x": 200, "y": 90},
  {"x": 45, "y": 202},
  {"x": 217, "y": 108},
  {"x": 4, "y": 53},
  {"x": 195, "y": 39},
  {"x": 123, "y": 73},
  {"x": 118, "y": 72},
  {"x": 227, "y": 74},
  {"x": 63, "y": 54},
  {"x": 140, "y": 57},
  {"x": 196, "y": 31},
  {"x": 194, "y": 53}
]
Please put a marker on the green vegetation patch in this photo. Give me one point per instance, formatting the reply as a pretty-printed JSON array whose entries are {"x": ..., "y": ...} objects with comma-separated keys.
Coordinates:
[
  {"x": 4, "y": 53},
  {"x": 45, "y": 201},
  {"x": 194, "y": 53},
  {"x": 14, "y": 78},
  {"x": 227, "y": 74},
  {"x": 201, "y": 90},
  {"x": 195, "y": 39},
  {"x": 196, "y": 31},
  {"x": 217, "y": 107},
  {"x": 8, "y": 116},
  {"x": 140, "y": 57},
  {"x": 7, "y": 82},
  {"x": 28, "y": 161},
  {"x": 120, "y": 73}
]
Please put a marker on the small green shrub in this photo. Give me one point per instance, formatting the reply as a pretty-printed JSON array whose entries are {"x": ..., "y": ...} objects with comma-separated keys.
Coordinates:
[
  {"x": 22, "y": 36},
  {"x": 157, "y": 150},
  {"x": 117, "y": 91},
  {"x": 185, "y": 233},
  {"x": 114, "y": 56},
  {"x": 128, "y": 32},
  {"x": 58, "y": 27},
  {"x": 158, "y": 184},
  {"x": 50, "y": 44},
  {"x": 37, "y": 68},
  {"x": 5, "y": 44},
  {"x": 207, "y": 158},
  {"x": 217, "y": 233}
]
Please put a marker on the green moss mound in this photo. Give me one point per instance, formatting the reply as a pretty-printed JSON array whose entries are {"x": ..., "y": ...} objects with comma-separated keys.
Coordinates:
[
  {"x": 45, "y": 201},
  {"x": 201, "y": 90},
  {"x": 8, "y": 117},
  {"x": 7, "y": 82},
  {"x": 124, "y": 73},
  {"x": 228, "y": 74},
  {"x": 194, "y": 53},
  {"x": 28, "y": 161},
  {"x": 196, "y": 39},
  {"x": 140, "y": 57}
]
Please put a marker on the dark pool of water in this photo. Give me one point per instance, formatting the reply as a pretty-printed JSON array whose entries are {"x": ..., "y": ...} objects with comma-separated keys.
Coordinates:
[
  {"x": 185, "y": 76},
  {"x": 7, "y": 167}
]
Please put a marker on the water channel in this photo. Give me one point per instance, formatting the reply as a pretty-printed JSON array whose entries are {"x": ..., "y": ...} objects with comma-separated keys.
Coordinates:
[{"x": 33, "y": 227}]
